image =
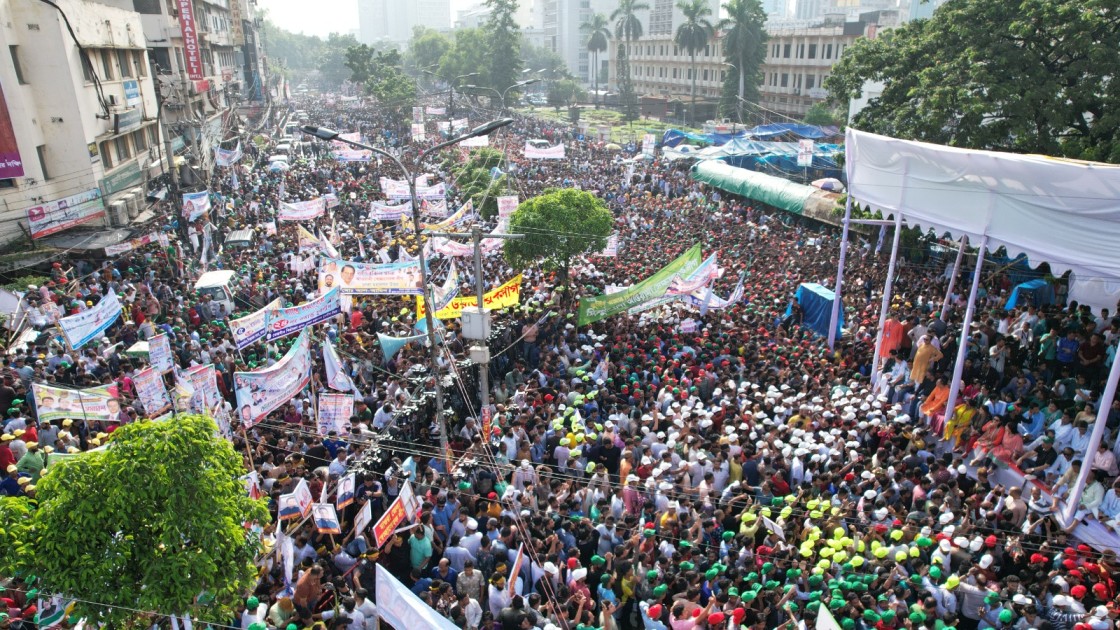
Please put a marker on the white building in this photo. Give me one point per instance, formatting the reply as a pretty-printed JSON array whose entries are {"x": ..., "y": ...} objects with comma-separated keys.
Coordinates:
[
  {"x": 392, "y": 21},
  {"x": 562, "y": 21},
  {"x": 83, "y": 134}
]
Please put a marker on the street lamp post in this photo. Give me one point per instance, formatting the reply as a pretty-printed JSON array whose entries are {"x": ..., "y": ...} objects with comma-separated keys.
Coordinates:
[
  {"x": 451, "y": 92},
  {"x": 502, "y": 94},
  {"x": 323, "y": 133}
]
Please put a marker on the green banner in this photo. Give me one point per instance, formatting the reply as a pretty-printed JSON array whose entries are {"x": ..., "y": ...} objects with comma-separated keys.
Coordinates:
[{"x": 594, "y": 309}]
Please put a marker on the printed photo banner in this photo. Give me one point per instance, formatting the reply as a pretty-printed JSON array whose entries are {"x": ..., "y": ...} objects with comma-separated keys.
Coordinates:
[
  {"x": 227, "y": 157},
  {"x": 449, "y": 290},
  {"x": 544, "y": 153},
  {"x": 302, "y": 210},
  {"x": 418, "y": 134},
  {"x": 460, "y": 215},
  {"x": 504, "y": 296},
  {"x": 611, "y": 249},
  {"x": 435, "y": 111},
  {"x": 704, "y": 299},
  {"x": 506, "y": 205},
  {"x": 699, "y": 278},
  {"x": 354, "y": 278},
  {"x": 431, "y": 193},
  {"x": 307, "y": 240},
  {"x": 196, "y": 204},
  {"x": 335, "y": 411},
  {"x": 80, "y": 329},
  {"x": 253, "y": 326},
  {"x": 261, "y": 392},
  {"x": 593, "y": 309},
  {"x": 379, "y": 211},
  {"x": 130, "y": 245},
  {"x": 399, "y": 187},
  {"x": 344, "y": 494},
  {"x": 326, "y": 246},
  {"x": 286, "y": 321},
  {"x": 352, "y": 155},
  {"x": 204, "y": 382},
  {"x": 331, "y": 200},
  {"x": 159, "y": 353},
  {"x": 326, "y": 519},
  {"x": 61, "y": 214},
  {"x": 434, "y": 208},
  {"x": 297, "y": 503},
  {"x": 151, "y": 392},
  {"x": 363, "y": 519},
  {"x": 183, "y": 394},
  {"x": 56, "y": 403}
]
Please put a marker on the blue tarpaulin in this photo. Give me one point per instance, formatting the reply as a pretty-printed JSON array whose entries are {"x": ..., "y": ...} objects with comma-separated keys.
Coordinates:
[
  {"x": 673, "y": 137},
  {"x": 816, "y": 305},
  {"x": 1035, "y": 292}
]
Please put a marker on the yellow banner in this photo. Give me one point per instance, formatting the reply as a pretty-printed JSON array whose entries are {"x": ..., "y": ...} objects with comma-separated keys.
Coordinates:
[{"x": 501, "y": 297}]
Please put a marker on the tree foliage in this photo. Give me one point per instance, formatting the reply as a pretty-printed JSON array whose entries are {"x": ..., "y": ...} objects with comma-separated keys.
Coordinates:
[
  {"x": 822, "y": 114},
  {"x": 564, "y": 92},
  {"x": 467, "y": 54},
  {"x": 627, "y": 29},
  {"x": 558, "y": 225},
  {"x": 381, "y": 74},
  {"x": 1033, "y": 77},
  {"x": 744, "y": 44},
  {"x": 474, "y": 180},
  {"x": 150, "y": 523},
  {"x": 425, "y": 50},
  {"x": 503, "y": 44},
  {"x": 597, "y": 30}
]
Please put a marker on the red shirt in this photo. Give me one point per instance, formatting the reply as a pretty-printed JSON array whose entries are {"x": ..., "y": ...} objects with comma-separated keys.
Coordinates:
[{"x": 355, "y": 319}]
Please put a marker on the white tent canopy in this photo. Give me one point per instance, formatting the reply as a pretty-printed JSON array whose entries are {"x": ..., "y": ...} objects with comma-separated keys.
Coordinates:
[{"x": 1063, "y": 212}]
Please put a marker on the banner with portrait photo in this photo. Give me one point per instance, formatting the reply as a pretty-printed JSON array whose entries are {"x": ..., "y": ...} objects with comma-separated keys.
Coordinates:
[
  {"x": 297, "y": 503},
  {"x": 302, "y": 210},
  {"x": 306, "y": 240},
  {"x": 326, "y": 519},
  {"x": 504, "y": 296},
  {"x": 355, "y": 278},
  {"x": 152, "y": 392},
  {"x": 204, "y": 382},
  {"x": 196, "y": 204},
  {"x": 261, "y": 392},
  {"x": 159, "y": 353},
  {"x": 227, "y": 157},
  {"x": 434, "y": 207},
  {"x": 344, "y": 493},
  {"x": 335, "y": 411},
  {"x": 460, "y": 215},
  {"x": 253, "y": 326},
  {"x": 56, "y": 403},
  {"x": 83, "y": 327}
]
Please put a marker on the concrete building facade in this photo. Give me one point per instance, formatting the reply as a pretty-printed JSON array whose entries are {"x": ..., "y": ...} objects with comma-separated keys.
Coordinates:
[{"x": 392, "y": 21}]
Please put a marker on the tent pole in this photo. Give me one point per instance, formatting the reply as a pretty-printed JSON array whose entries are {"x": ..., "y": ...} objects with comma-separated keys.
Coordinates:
[
  {"x": 1094, "y": 442},
  {"x": 953, "y": 280},
  {"x": 962, "y": 350},
  {"x": 835, "y": 318},
  {"x": 888, "y": 286}
]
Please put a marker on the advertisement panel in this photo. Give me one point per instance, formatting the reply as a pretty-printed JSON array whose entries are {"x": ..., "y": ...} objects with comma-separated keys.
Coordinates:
[
  {"x": 370, "y": 279},
  {"x": 11, "y": 165},
  {"x": 125, "y": 177},
  {"x": 192, "y": 55},
  {"x": 65, "y": 213}
]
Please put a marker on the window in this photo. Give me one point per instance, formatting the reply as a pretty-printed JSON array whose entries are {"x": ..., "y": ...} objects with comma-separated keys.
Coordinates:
[
  {"x": 142, "y": 64},
  {"x": 106, "y": 158},
  {"x": 707, "y": 50},
  {"x": 722, "y": 75},
  {"x": 106, "y": 65},
  {"x": 123, "y": 152},
  {"x": 147, "y": 7},
  {"x": 41, "y": 150},
  {"x": 705, "y": 75},
  {"x": 801, "y": 51},
  {"x": 812, "y": 51},
  {"x": 810, "y": 81},
  {"x": 153, "y": 135},
  {"x": 139, "y": 140},
  {"x": 124, "y": 61},
  {"x": 7, "y": 183},
  {"x": 14, "y": 50},
  {"x": 828, "y": 51},
  {"x": 87, "y": 68},
  {"x": 674, "y": 73},
  {"x": 785, "y": 79},
  {"x": 786, "y": 51}
]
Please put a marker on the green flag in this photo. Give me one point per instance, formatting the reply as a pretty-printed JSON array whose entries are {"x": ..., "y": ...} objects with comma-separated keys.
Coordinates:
[{"x": 593, "y": 309}]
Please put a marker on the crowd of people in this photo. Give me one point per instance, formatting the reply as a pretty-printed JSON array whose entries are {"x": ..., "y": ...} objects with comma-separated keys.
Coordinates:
[{"x": 639, "y": 473}]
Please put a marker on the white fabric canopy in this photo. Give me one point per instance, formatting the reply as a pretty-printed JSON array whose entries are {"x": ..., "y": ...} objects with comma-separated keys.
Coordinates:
[{"x": 1063, "y": 212}]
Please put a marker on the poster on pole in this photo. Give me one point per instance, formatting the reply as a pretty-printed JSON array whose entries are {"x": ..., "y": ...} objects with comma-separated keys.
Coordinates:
[
  {"x": 286, "y": 321},
  {"x": 355, "y": 278},
  {"x": 151, "y": 392},
  {"x": 302, "y": 210},
  {"x": 335, "y": 411},
  {"x": 805, "y": 150},
  {"x": 326, "y": 519},
  {"x": 82, "y": 328},
  {"x": 196, "y": 204},
  {"x": 261, "y": 392},
  {"x": 204, "y": 383},
  {"x": 159, "y": 353},
  {"x": 297, "y": 503},
  {"x": 344, "y": 494},
  {"x": 363, "y": 519},
  {"x": 253, "y": 326}
]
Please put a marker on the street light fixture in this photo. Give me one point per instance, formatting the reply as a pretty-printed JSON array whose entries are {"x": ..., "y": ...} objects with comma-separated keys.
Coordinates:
[
  {"x": 502, "y": 94},
  {"x": 324, "y": 133}
]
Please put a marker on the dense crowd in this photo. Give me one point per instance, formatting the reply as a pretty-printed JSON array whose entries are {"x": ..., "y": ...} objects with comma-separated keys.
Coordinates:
[{"x": 636, "y": 475}]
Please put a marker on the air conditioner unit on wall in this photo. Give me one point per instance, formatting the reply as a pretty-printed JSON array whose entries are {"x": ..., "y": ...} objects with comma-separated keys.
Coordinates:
[
  {"x": 137, "y": 199},
  {"x": 118, "y": 214}
]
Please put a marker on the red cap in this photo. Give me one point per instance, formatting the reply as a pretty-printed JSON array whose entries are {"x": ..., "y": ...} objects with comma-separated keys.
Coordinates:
[
  {"x": 1078, "y": 591},
  {"x": 1084, "y": 548},
  {"x": 990, "y": 541},
  {"x": 716, "y": 617},
  {"x": 572, "y": 564},
  {"x": 1075, "y": 574},
  {"x": 1100, "y": 590},
  {"x": 1037, "y": 558},
  {"x": 1069, "y": 564}
]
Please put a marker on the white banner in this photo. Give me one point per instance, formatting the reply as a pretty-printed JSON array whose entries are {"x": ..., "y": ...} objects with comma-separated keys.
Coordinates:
[
  {"x": 400, "y": 608},
  {"x": 80, "y": 329},
  {"x": 435, "y": 111},
  {"x": 805, "y": 149},
  {"x": 204, "y": 381},
  {"x": 151, "y": 392},
  {"x": 418, "y": 132},
  {"x": 196, "y": 204},
  {"x": 506, "y": 205},
  {"x": 335, "y": 411},
  {"x": 337, "y": 378},
  {"x": 477, "y": 141},
  {"x": 159, "y": 353},
  {"x": 370, "y": 279},
  {"x": 386, "y": 212},
  {"x": 227, "y": 157},
  {"x": 253, "y": 326},
  {"x": 302, "y": 210},
  {"x": 611, "y": 248},
  {"x": 285, "y": 321},
  {"x": 544, "y": 153},
  {"x": 261, "y": 392}
]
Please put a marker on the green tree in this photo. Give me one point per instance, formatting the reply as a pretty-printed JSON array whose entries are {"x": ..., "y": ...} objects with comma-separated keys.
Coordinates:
[
  {"x": 693, "y": 35},
  {"x": 821, "y": 114},
  {"x": 558, "y": 225},
  {"x": 597, "y": 29},
  {"x": 468, "y": 53},
  {"x": 1031, "y": 77},
  {"x": 503, "y": 45},
  {"x": 387, "y": 82},
  {"x": 425, "y": 50},
  {"x": 474, "y": 180},
  {"x": 627, "y": 28},
  {"x": 564, "y": 92},
  {"x": 332, "y": 59},
  {"x": 360, "y": 61},
  {"x": 744, "y": 45},
  {"x": 148, "y": 524}
]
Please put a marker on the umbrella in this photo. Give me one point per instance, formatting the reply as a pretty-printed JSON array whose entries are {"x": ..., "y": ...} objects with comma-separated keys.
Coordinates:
[
  {"x": 278, "y": 166},
  {"x": 138, "y": 349},
  {"x": 830, "y": 184},
  {"x": 610, "y": 146}
]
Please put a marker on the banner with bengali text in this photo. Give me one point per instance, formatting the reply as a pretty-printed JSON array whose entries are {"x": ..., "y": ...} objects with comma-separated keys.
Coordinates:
[
  {"x": 261, "y": 392},
  {"x": 504, "y": 296},
  {"x": 354, "y": 278}
]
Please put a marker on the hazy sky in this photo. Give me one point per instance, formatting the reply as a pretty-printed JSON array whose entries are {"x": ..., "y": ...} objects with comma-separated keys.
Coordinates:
[{"x": 320, "y": 17}]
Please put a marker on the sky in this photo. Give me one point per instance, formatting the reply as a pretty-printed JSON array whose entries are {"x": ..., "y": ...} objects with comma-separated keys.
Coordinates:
[{"x": 327, "y": 16}]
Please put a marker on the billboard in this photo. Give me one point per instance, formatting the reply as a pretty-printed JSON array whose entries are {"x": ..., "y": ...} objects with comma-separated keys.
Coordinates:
[
  {"x": 192, "y": 54},
  {"x": 10, "y": 163},
  {"x": 61, "y": 214}
]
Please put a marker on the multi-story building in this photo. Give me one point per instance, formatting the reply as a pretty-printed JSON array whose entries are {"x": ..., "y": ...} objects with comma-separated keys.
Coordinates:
[
  {"x": 562, "y": 21},
  {"x": 78, "y": 130},
  {"x": 658, "y": 67},
  {"x": 392, "y": 21}
]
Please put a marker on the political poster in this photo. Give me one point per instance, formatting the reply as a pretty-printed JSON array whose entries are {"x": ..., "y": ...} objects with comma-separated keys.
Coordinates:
[
  {"x": 196, "y": 204},
  {"x": 335, "y": 411},
  {"x": 399, "y": 607},
  {"x": 93, "y": 403},
  {"x": 449, "y": 290},
  {"x": 475, "y": 142},
  {"x": 204, "y": 382},
  {"x": 434, "y": 207},
  {"x": 344, "y": 493},
  {"x": 297, "y": 503},
  {"x": 337, "y": 378},
  {"x": 504, "y": 296},
  {"x": 593, "y": 309},
  {"x": 326, "y": 519},
  {"x": 698, "y": 278},
  {"x": 62, "y": 214},
  {"x": 435, "y": 111},
  {"x": 805, "y": 149},
  {"x": 159, "y": 353},
  {"x": 363, "y": 519},
  {"x": 151, "y": 392},
  {"x": 355, "y": 278},
  {"x": 544, "y": 153},
  {"x": 307, "y": 241},
  {"x": 83, "y": 327},
  {"x": 253, "y": 326},
  {"x": 302, "y": 210},
  {"x": 379, "y": 211},
  {"x": 460, "y": 215},
  {"x": 283, "y": 322},
  {"x": 352, "y": 155},
  {"x": 418, "y": 134},
  {"x": 399, "y": 511},
  {"x": 261, "y": 392},
  {"x": 649, "y": 144},
  {"x": 611, "y": 248},
  {"x": 227, "y": 157},
  {"x": 506, "y": 205},
  {"x": 331, "y": 200},
  {"x": 431, "y": 193},
  {"x": 183, "y": 394},
  {"x": 417, "y": 114}
]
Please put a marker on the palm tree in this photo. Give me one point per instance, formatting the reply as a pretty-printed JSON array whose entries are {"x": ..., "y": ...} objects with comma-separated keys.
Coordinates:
[
  {"x": 597, "y": 29},
  {"x": 627, "y": 27},
  {"x": 744, "y": 42},
  {"x": 693, "y": 35}
]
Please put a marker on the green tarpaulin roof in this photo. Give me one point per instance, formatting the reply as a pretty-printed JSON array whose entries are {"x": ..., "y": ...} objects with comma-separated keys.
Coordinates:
[{"x": 775, "y": 191}]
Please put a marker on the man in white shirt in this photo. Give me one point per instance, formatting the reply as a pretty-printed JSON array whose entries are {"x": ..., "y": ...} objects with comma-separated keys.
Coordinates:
[{"x": 471, "y": 610}]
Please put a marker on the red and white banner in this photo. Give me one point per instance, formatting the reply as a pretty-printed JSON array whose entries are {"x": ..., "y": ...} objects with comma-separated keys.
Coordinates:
[
  {"x": 544, "y": 153},
  {"x": 506, "y": 205},
  {"x": 192, "y": 54}
]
